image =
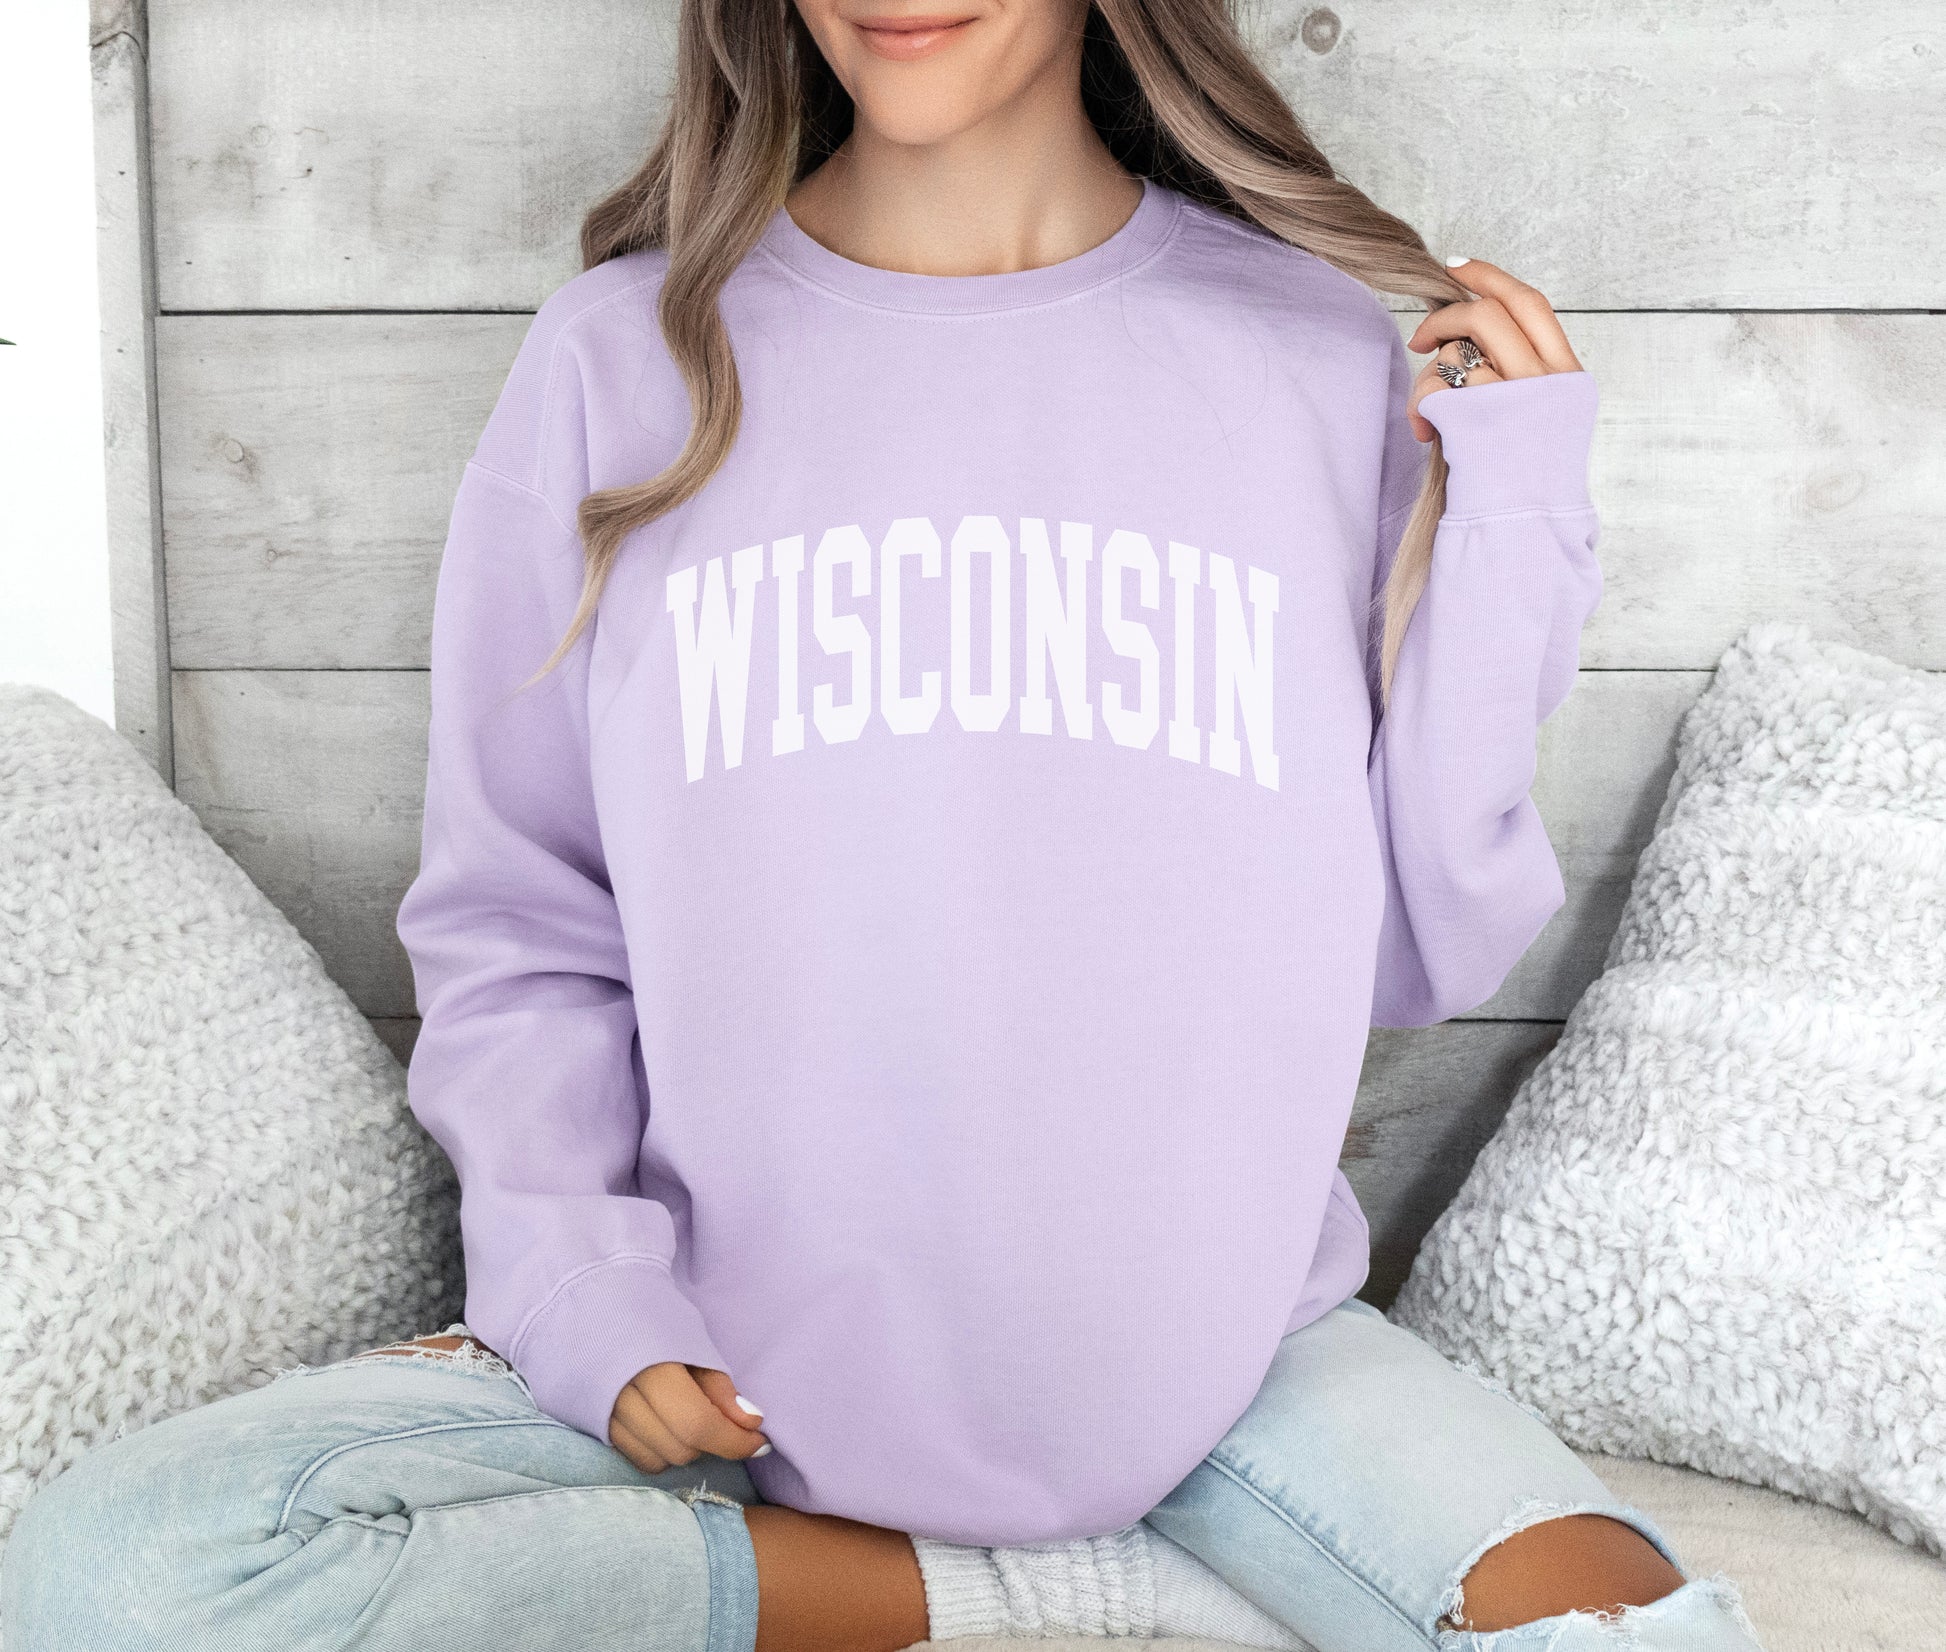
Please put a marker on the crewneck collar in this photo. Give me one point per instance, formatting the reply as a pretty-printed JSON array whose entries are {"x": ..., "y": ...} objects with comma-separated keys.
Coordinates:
[{"x": 1144, "y": 234}]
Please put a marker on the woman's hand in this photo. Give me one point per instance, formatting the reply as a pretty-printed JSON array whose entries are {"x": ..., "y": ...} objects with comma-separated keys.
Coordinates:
[
  {"x": 673, "y": 1413},
  {"x": 1512, "y": 323}
]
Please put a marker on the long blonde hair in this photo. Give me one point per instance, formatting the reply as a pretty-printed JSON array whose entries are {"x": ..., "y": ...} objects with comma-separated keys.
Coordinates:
[{"x": 1169, "y": 85}]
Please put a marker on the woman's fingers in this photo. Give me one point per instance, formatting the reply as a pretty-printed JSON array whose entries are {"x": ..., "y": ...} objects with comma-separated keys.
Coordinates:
[
  {"x": 636, "y": 1421},
  {"x": 1487, "y": 323},
  {"x": 637, "y": 1450},
  {"x": 722, "y": 1393},
  {"x": 1529, "y": 309},
  {"x": 1512, "y": 323},
  {"x": 665, "y": 1419},
  {"x": 692, "y": 1417}
]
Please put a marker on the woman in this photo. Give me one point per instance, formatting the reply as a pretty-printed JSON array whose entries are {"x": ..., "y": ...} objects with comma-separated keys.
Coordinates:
[{"x": 814, "y": 1010}]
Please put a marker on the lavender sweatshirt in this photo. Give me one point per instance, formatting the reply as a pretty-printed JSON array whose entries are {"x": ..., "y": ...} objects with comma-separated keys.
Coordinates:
[{"x": 917, "y": 957}]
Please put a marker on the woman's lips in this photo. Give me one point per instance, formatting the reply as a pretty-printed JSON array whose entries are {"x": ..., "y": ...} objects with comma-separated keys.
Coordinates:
[{"x": 904, "y": 38}]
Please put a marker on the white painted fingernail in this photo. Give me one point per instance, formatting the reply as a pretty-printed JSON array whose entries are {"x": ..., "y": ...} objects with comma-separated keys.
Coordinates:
[
  {"x": 1455, "y": 262},
  {"x": 763, "y": 1450},
  {"x": 755, "y": 1411}
]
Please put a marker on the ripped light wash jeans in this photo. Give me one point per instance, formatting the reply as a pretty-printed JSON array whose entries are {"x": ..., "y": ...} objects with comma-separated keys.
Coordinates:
[{"x": 423, "y": 1502}]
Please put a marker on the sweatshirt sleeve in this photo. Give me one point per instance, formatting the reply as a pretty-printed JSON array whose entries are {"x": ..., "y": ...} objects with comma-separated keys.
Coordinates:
[
  {"x": 526, "y": 1071},
  {"x": 1491, "y": 651}
]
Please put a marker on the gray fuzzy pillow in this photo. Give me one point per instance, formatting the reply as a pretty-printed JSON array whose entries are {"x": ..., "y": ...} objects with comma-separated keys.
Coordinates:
[
  {"x": 1711, "y": 1229},
  {"x": 207, "y": 1169}
]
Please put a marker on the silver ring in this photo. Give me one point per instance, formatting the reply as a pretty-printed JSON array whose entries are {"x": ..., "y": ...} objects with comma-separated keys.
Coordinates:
[{"x": 1470, "y": 357}]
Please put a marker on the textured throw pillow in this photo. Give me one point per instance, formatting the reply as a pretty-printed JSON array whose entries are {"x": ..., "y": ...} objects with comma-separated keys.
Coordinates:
[
  {"x": 207, "y": 1169},
  {"x": 1711, "y": 1229}
]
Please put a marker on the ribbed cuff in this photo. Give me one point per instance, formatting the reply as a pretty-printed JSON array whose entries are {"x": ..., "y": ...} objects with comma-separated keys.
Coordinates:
[
  {"x": 964, "y": 1597},
  {"x": 1076, "y": 1586},
  {"x": 1516, "y": 444},
  {"x": 1082, "y": 1585},
  {"x": 608, "y": 1322}
]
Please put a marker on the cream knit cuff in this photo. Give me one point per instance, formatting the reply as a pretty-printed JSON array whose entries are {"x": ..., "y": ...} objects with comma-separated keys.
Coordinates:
[{"x": 1083, "y": 1586}]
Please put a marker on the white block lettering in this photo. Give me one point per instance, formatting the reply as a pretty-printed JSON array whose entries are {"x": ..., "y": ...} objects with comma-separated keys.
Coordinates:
[
  {"x": 842, "y": 633},
  {"x": 786, "y": 563},
  {"x": 1127, "y": 550},
  {"x": 904, "y": 713},
  {"x": 1243, "y": 671},
  {"x": 1186, "y": 573},
  {"x": 713, "y": 655},
  {"x": 1057, "y": 631},
  {"x": 982, "y": 536}
]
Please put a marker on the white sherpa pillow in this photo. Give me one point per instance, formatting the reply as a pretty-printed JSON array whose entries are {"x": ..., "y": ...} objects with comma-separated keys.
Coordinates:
[
  {"x": 1711, "y": 1229},
  {"x": 207, "y": 1168}
]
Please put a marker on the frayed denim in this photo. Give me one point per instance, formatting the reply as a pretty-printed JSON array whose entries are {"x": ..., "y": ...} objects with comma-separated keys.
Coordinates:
[
  {"x": 1370, "y": 1473},
  {"x": 420, "y": 1500}
]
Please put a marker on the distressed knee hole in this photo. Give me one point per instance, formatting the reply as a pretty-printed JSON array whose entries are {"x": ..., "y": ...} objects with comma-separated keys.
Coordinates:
[
  {"x": 439, "y": 1347},
  {"x": 1612, "y": 1571},
  {"x": 454, "y": 1346}
]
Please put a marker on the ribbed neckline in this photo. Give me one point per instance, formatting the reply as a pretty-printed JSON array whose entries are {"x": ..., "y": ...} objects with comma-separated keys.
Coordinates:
[{"x": 1144, "y": 233}]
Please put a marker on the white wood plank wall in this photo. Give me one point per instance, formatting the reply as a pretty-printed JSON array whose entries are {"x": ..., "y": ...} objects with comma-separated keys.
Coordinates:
[
  {"x": 357, "y": 203},
  {"x": 124, "y": 203}
]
